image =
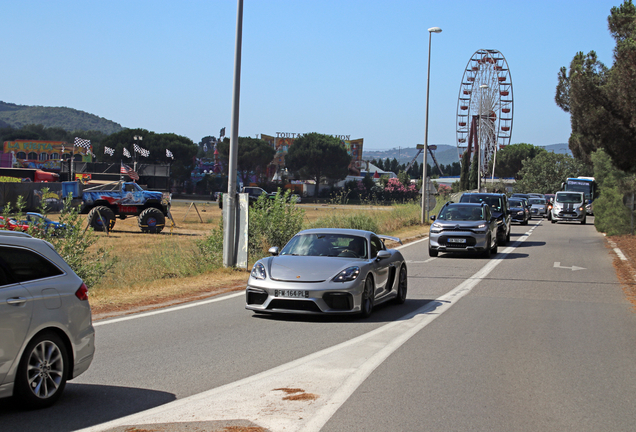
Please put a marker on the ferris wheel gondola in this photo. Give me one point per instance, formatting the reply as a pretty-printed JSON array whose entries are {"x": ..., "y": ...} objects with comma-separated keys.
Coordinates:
[{"x": 485, "y": 106}]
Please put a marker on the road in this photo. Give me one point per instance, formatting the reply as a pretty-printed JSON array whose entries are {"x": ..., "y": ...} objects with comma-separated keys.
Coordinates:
[{"x": 540, "y": 337}]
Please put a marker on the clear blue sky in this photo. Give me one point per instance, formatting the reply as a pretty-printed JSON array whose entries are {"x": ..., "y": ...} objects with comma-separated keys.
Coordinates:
[{"x": 339, "y": 67}]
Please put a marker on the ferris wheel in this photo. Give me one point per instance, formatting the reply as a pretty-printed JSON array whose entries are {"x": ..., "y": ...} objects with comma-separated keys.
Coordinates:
[{"x": 485, "y": 106}]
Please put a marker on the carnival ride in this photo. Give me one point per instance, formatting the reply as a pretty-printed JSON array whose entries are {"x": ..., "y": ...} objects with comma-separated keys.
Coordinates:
[{"x": 485, "y": 107}]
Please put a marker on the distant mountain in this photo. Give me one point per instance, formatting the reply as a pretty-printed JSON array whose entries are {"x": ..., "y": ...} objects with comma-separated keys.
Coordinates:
[
  {"x": 68, "y": 119},
  {"x": 445, "y": 154}
]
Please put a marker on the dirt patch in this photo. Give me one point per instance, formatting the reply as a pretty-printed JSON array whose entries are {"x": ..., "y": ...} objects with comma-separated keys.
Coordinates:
[
  {"x": 244, "y": 429},
  {"x": 301, "y": 397},
  {"x": 290, "y": 390},
  {"x": 625, "y": 270}
]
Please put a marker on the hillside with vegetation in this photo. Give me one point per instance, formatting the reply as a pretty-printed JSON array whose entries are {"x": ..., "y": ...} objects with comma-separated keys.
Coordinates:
[{"x": 68, "y": 119}]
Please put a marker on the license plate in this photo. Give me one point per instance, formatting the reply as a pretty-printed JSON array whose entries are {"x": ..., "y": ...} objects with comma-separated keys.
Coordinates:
[
  {"x": 291, "y": 293},
  {"x": 457, "y": 240}
]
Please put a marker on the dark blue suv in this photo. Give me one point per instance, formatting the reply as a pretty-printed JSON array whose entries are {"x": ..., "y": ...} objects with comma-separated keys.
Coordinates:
[{"x": 500, "y": 209}]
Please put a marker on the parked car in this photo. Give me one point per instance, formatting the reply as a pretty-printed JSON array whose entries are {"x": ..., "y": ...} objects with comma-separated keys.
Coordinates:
[
  {"x": 463, "y": 227},
  {"x": 569, "y": 206},
  {"x": 333, "y": 271},
  {"x": 499, "y": 207},
  {"x": 538, "y": 206},
  {"x": 519, "y": 211},
  {"x": 46, "y": 331}
]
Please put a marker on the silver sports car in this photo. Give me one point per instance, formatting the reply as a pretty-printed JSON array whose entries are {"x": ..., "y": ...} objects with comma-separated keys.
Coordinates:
[{"x": 328, "y": 270}]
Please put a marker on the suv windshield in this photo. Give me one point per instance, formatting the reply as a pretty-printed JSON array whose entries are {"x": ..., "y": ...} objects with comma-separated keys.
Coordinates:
[
  {"x": 461, "y": 213},
  {"x": 494, "y": 202},
  {"x": 537, "y": 201},
  {"x": 569, "y": 198}
]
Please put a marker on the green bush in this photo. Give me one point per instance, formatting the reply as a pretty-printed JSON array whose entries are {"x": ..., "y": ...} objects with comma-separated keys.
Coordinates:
[{"x": 610, "y": 214}]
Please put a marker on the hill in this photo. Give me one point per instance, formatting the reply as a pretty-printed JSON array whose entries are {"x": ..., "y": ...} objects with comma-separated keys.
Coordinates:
[
  {"x": 445, "y": 154},
  {"x": 68, "y": 119}
]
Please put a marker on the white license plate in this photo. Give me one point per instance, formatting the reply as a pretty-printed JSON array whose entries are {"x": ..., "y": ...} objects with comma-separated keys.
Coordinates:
[
  {"x": 291, "y": 293},
  {"x": 457, "y": 240}
]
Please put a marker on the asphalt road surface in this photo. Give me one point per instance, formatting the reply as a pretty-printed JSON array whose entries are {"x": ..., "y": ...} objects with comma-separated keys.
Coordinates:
[{"x": 539, "y": 337}]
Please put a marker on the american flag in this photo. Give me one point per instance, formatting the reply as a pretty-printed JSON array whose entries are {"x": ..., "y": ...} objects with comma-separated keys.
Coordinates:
[
  {"x": 141, "y": 151},
  {"x": 109, "y": 151},
  {"x": 127, "y": 153},
  {"x": 125, "y": 169},
  {"x": 169, "y": 154},
  {"x": 79, "y": 142}
]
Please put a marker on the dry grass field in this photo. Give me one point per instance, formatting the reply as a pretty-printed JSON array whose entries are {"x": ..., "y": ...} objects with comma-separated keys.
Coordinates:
[{"x": 153, "y": 270}]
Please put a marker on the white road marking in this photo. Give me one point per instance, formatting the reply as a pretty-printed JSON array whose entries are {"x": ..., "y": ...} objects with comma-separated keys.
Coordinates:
[
  {"x": 557, "y": 264},
  {"x": 169, "y": 309},
  {"x": 327, "y": 378}
]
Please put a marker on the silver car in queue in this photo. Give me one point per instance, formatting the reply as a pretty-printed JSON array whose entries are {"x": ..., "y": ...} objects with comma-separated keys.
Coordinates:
[
  {"x": 463, "y": 227},
  {"x": 328, "y": 271}
]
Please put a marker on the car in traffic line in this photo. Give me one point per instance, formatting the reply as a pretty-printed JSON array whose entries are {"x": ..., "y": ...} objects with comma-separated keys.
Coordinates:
[
  {"x": 519, "y": 211},
  {"x": 569, "y": 206},
  {"x": 46, "y": 331},
  {"x": 538, "y": 207},
  {"x": 328, "y": 270},
  {"x": 463, "y": 227},
  {"x": 500, "y": 209}
]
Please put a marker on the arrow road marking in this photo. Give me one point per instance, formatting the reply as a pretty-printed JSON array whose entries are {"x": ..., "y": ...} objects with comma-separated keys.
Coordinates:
[{"x": 573, "y": 268}]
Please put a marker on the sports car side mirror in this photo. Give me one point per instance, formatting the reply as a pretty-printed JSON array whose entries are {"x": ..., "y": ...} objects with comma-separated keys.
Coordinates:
[
  {"x": 384, "y": 254},
  {"x": 273, "y": 250}
]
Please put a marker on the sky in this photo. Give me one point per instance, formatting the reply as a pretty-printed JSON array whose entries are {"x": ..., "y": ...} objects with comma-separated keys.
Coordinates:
[{"x": 339, "y": 67}]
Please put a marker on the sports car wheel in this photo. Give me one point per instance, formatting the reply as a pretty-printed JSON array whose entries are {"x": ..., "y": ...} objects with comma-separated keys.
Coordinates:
[
  {"x": 402, "y": 286},
  {"x": 366, "y": 306},
  {"x": 42, "y": 371}
]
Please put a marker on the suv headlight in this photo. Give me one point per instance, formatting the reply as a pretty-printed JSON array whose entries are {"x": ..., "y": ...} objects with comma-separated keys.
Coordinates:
[
  {"x": 481, "y": 228},
  {"x": 436, "y": 228},
  {"x": 258, "y": 271},
  {"x": 348, "y": 274}
]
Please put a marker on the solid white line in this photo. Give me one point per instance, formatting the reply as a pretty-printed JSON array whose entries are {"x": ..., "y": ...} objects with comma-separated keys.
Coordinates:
[
  {"x": 169, "y": 309},
  {"x": 333, "y": 373}
]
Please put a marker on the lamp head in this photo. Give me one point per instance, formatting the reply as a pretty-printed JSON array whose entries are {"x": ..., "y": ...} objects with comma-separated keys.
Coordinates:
[{"x": 435, "y": 30}]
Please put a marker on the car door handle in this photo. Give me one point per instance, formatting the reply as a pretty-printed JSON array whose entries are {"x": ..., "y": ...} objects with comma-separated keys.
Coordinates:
[{"x": 16, "y": 301}]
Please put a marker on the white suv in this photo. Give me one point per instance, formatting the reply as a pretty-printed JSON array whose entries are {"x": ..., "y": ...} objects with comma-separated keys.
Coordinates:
[{"x": 46, "y": 330}]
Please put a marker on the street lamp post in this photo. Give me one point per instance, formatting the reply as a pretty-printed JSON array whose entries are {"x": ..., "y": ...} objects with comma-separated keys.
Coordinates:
[
  {"x": 479, "y": 137},
  {"x": 424, "y": 216}
]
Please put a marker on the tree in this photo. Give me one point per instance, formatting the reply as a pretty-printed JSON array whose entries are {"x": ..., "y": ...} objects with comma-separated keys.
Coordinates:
[
  {"x": 510, "y": 158},
  {"x": 602, "y": 101},
  {"x": 253, "y": 156},
  {"x": 547, "y": 171},
  {"x": 317, "y": 156},
  {"x": 464, "y": 174}
]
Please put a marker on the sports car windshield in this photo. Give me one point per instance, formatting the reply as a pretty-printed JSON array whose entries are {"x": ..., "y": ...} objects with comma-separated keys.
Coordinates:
[{"x": 330, "y": 245}]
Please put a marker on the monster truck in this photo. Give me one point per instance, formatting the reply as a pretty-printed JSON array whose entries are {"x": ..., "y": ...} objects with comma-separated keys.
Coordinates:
[{"x": 121, "y": 199}]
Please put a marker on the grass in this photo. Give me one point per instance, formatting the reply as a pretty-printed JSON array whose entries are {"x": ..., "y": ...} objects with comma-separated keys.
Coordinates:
[{"x": 154, "y": 269}]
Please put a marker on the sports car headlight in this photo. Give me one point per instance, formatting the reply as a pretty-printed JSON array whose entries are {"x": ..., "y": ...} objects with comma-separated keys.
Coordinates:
[
  {"x": 436, "y": 228},
  {"x": 348, "y": 275},
  {"x": 258, "y": 271}
]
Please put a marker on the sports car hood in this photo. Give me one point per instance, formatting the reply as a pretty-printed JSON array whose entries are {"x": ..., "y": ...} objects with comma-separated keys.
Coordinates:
[{"x": 307, "y": 268}]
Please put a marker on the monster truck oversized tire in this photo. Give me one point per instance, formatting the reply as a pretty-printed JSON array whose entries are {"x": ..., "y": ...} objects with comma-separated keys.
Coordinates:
[
  {"x": 97, "y": 223},
  {"x": 151, "y": 221}
]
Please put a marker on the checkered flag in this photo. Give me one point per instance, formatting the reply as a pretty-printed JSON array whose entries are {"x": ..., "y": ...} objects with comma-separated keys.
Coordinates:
[
  {"x": 141, "y": 151},
  {"x": 127, "y": 153},
  {"x": 109, "y": 151},
  {"x": 79, "y": 142},
  {"x": 169, "y": 154}
]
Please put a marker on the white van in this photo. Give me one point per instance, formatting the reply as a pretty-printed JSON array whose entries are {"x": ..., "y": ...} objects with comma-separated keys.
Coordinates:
[{"x": 569, "y": 206}]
